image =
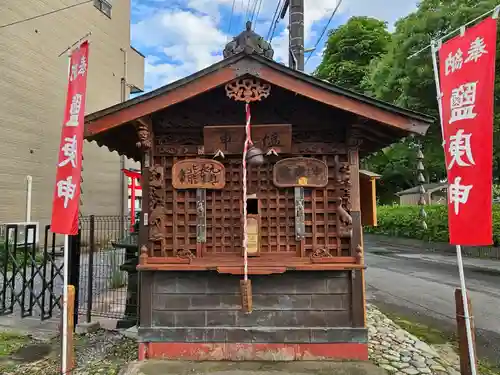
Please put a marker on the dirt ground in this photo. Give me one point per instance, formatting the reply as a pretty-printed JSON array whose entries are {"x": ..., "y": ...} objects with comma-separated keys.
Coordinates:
[{"x": 252, "y": 368}]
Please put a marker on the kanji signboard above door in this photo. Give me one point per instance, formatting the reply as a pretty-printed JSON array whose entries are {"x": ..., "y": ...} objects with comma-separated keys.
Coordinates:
[
  {"x": 300, "y": 172},
  {"x": 229, "y": 139}
]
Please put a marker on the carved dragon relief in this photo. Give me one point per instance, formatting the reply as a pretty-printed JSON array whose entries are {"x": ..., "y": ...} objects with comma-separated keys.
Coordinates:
[
  {"x": 345, "y": 220},
  {"x": 342, "y": 177},
  {"x": 157, "y": 202}
]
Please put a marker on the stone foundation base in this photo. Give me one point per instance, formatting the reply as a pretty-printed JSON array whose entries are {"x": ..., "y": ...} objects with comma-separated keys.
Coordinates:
[{"x": 253, "y": 351}]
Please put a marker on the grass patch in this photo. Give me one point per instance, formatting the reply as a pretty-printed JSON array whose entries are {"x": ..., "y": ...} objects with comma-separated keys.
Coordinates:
[
  {"x": 433, "y": 336},
  {"x": 423, "y": 332},
  {"x": 11, "y": 342}
]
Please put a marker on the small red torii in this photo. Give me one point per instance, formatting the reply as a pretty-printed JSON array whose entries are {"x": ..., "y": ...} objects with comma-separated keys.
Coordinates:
[{"x": 133, "y": 187}]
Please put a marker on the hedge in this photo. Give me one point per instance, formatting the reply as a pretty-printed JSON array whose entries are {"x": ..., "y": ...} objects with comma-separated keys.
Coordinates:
[{"x": 404, "y": 221}]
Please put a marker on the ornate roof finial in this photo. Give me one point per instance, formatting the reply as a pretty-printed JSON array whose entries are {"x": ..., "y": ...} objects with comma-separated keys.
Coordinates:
[{"x": 250, "y": 42}]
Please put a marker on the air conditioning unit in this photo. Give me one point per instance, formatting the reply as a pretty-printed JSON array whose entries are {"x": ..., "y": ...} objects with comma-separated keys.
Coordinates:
[{"x": 29, "y": 231}]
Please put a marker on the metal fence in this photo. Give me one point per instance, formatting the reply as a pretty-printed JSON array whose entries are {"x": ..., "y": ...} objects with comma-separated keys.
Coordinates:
[
  {"x": 31, "y": 266},
  {"x": 103, "y": 284},
  {"x": 31, "y": 274}
]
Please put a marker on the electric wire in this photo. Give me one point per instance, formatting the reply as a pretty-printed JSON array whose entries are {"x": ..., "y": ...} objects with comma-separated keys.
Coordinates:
[
  {"x": 257, "y": 14},
  {"x": 247, "y": 13},
  {"x": 252, "y": 14},
  {"x": 231, "y": 18},
  {"x": 274, "y": 22},
  {"x": 324, "y": 30},
  {"x": 45, "y": 14}
]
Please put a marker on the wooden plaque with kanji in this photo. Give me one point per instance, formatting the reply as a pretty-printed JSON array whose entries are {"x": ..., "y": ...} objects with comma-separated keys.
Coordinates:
[
  {"x": 230, "y": 139},
  {"x": 303, "y": 172},
  {"x": 198, "y": 174}
]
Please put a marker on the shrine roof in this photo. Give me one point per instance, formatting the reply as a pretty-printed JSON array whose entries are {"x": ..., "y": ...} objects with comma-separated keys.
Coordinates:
[{"x": 242, "y": 64}]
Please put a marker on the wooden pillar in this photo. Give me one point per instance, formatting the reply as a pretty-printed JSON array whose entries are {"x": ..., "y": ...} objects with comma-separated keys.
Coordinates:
[
  {"x": 463, "y": 347},
  {"x": 145, "y": 144},
  {"x": 357, "y": 276}
]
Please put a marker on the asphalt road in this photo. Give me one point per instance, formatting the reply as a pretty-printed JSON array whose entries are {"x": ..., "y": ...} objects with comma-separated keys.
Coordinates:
[{"x": 424, "y": 291}]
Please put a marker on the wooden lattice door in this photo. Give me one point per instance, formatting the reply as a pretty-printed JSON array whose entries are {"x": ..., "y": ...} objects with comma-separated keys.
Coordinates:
[{"x": 276, "y": 208}]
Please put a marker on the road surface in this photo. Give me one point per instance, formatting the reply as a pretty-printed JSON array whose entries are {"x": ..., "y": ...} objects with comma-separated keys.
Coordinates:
[{"x": 424, "y": 290}]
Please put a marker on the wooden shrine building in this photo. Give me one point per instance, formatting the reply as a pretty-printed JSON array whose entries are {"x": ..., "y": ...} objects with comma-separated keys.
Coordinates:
[{"x": 304, "y": 205}]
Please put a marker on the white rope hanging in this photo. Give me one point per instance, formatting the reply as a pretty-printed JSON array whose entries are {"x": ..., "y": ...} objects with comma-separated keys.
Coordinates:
[{"x": 248, "y": 143}]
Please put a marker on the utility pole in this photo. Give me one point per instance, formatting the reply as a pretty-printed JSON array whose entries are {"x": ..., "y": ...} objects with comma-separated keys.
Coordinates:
[{"x": 296, "y": 32}]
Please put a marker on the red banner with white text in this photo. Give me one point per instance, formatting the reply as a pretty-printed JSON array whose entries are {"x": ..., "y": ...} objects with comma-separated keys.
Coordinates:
[
  {"x": 66, "y": 200},
  {"x": 467, "y": 72}
]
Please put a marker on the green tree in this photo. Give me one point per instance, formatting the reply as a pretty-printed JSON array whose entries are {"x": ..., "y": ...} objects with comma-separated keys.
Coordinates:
[
  {"x": 350, "y": 49},
  {"x": 409, "y": 82}
]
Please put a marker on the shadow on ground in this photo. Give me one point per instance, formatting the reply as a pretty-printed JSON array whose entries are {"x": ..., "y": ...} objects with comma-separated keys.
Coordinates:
[{"x": 159, "y": 367}]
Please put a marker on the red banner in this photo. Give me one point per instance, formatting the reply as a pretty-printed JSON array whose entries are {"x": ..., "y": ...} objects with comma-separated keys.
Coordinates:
[
  {"x": 467, "y": 72},
  {"x": 66, "y": 201}
]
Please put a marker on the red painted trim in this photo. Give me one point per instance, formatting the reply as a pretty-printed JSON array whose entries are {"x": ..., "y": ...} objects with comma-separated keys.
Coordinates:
[
  {"x": 137, "y": 187},
  {"x": 143, "y": 349},
  {"x": 253, "y": 352}
]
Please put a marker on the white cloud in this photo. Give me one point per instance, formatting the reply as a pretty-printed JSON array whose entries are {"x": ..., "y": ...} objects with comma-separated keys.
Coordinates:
[
  {"x": 188, "y": 41},
  {"x": 190, "y": 36}
]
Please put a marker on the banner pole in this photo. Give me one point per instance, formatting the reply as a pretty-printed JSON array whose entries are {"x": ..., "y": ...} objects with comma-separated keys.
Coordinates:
[
  {"x": 435, "y": 45},
  {"x": 64, "y": 338},
  {"x": 65, "y": 307},
  {"x": 467, "y": 318}
]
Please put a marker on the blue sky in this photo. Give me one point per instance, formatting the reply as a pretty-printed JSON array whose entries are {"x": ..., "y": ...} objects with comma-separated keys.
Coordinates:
[{"x": 179, "y": 37}]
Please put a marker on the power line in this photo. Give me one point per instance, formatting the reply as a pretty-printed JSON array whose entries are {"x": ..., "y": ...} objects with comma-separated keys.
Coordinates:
[
  {"x": 274, "y": 23},
  {"x": 44, "y": 14},
  {"x": 257, "y": 14},
  {"x": 252, "y": 13},
  {"x": 324, "y": 30},
  {"x": 231, "y": 18},
  {"x": 247, "y": 13}
]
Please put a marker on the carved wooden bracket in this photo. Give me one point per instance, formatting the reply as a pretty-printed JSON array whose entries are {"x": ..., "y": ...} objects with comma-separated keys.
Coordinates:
[
  {"x": 143, "y": 258},
  {"x": 359, "y": 255},
  {"x": 185, "y": 254},
  {"x": 247, "y": 90},
  {"x": 320, "y": 253},
  {"x": 341, "y": 170},
  {"x": 144, "y": 135}
]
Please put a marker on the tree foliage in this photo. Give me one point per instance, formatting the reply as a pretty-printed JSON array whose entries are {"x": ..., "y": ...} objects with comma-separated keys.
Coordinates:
[
  {"x": 350, "y": 49},
  {"x": 363, "y": 56},
  {"x": 409, "y": 82}
]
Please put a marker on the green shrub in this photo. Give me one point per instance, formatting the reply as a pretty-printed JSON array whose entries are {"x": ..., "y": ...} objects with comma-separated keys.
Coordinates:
[{"x": 404, "y": 221}]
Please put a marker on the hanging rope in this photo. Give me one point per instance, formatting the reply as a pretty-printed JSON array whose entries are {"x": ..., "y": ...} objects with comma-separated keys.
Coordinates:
[{"x": 248, "y": 143}]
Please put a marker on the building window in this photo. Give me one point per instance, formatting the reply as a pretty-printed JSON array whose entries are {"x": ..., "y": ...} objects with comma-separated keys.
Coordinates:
[{"x": 104, "y": 6}]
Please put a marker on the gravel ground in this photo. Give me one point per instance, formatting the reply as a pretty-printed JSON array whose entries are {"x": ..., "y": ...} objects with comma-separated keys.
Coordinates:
[
  {"x": 399, "y": 352},
  {"x": 103, "y": 352}
]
